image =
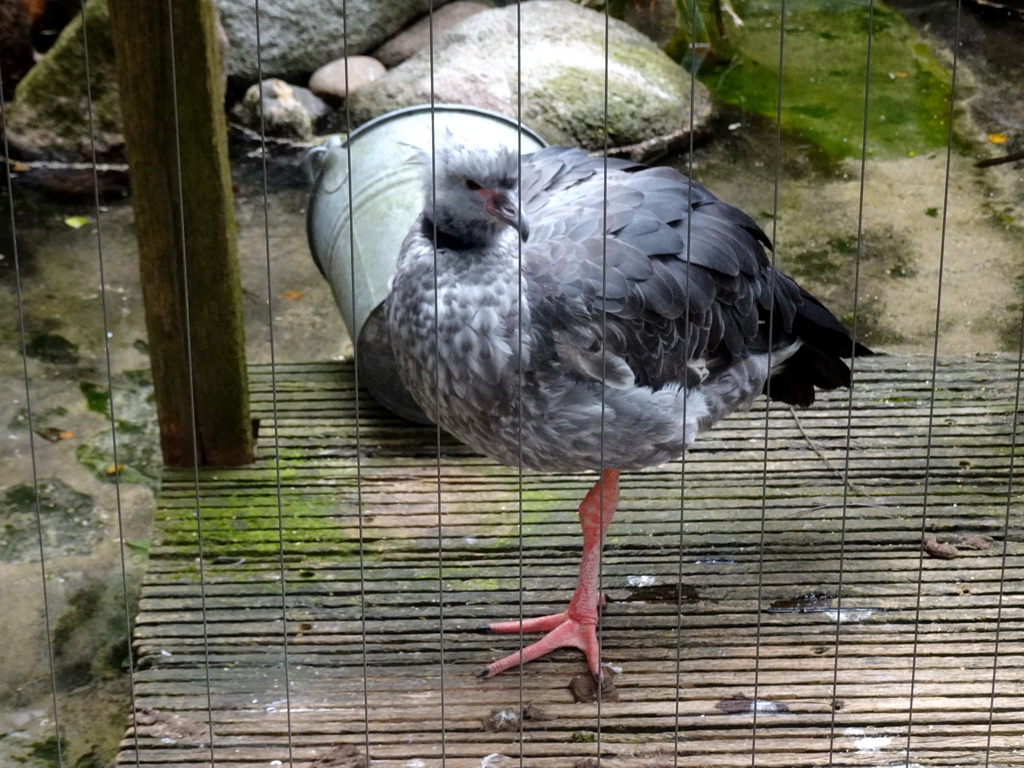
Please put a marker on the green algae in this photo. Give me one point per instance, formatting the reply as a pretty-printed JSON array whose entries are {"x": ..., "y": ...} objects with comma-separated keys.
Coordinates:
[
  {"x": 825, "y": 83},
  {"x": 250, "y": 526},
  {"x": 52, "y": 348},
  {"x": 97, "y": 398},
  {"x": 129, "y": 451},
  {"x": 50, "y": 751}
]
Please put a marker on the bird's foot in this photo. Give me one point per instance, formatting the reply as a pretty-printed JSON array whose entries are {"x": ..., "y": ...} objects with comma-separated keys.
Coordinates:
[{"x": 563, "y": 631}]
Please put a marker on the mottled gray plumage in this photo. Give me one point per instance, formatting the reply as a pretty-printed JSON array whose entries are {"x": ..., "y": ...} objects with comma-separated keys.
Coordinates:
[
  {"x": 600, "y": 325},
  {"x": 638, "y": 312}
]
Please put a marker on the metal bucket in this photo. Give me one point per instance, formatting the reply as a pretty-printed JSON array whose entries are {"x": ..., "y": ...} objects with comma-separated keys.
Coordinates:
[{"x": 356, "y": 225}]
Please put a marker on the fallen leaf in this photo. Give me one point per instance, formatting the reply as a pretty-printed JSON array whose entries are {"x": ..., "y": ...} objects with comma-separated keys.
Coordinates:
[
  {"x": 140, "y": 546},
  {"x": 67, "y": 434},
  {"x": 901, "y": 74},
  {"x": 292, "y": 295},
  {"x": 50, "y": 434},
  {"x": 997, "y": 138},
  {"x": 113, "y": 469},
  {"x": 76, "y": 222}
]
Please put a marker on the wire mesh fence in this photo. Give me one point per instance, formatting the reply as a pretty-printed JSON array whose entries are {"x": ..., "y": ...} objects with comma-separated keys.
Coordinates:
[{"x": 830, "y": 586}]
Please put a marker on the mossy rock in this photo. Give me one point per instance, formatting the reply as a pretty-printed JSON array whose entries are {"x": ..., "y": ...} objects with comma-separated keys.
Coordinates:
[
  {"x": 546, "y": 62},
  {"x": 50, "y": 115}
]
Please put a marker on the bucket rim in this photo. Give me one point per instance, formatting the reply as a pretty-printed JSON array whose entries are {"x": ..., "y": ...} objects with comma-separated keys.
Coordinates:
[{"x": 441, "y": 107}]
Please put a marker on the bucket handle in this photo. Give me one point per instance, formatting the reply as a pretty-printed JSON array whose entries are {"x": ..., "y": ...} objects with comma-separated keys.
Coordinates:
[
  {"x": 320, "y": 161},
  {"x": 313, "y": 163}
]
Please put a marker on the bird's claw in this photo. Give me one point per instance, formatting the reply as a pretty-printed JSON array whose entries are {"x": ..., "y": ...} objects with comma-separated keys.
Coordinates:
[{"x": 562, "y": 630}]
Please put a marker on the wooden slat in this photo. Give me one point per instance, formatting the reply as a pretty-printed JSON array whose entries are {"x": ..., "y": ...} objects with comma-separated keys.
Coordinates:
[{"x": 335, "y": 616}]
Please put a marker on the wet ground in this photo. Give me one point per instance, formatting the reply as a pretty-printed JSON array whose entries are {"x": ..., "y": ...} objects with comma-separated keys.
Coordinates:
[{"x": 76, "y": 298}]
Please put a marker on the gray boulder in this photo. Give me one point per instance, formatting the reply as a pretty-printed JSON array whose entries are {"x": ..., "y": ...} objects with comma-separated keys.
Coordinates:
[
  {"x": 334, "y": 80},
  {"x": 408, "y": 41},
  {"x": 562, "y": 77},
  {"x": 299, "y": 36}
]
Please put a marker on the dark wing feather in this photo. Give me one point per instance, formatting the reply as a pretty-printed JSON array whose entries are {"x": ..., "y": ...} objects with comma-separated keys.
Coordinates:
[{"x": 666, "y": 274}]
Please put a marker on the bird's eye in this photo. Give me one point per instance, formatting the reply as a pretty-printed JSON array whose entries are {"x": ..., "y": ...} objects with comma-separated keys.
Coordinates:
[{"x": 472, "y": 185}]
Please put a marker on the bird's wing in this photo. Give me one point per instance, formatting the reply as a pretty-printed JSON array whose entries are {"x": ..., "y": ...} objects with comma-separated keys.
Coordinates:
[{"x": 643, "y": 274}]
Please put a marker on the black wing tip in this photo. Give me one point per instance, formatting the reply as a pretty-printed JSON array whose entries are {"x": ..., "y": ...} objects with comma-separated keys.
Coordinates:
[{"x": 859, "y": 350}]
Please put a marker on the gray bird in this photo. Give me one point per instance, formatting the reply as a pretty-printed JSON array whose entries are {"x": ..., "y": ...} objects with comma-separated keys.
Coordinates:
[{"x": 568, "y": 313}]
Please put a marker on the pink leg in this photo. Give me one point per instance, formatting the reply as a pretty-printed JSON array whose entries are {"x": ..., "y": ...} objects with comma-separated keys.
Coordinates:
[{"x": 577, "y": 625}]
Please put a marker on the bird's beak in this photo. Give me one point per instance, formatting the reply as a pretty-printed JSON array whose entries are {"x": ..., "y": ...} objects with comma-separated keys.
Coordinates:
[{"x": 505, "y": 207}]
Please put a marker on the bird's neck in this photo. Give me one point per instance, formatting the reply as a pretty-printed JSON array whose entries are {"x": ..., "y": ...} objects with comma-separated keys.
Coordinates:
[{"x": 447, "y": 234}]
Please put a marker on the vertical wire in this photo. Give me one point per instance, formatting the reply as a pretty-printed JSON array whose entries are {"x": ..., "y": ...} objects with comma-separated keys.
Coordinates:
[
  {"x": 934, "y": 374},
  {"x": 519, "y": 377},
  {"x": 847, "y": 448},
  {"x": 90, "y": 116},
  {"x": 767, "y": 387},
  {"x": 694, "y": 66},
  {"x": 603, "y": 529},
  {"x": 273, "y": 399},
  {"x": 1015, "y": 425},
  {"x": 361, "y": 531},
  {"x": 437, "y": 386},
  {"x": 36, "y": 503},
  {"x": 191, "y": 385}
]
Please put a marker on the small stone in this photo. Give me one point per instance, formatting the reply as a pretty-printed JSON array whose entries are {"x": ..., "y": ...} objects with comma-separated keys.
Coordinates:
[
  {"x": 973, "y": 541},
  {"x": 585, "y": 690},
  {"x": 407, "y": 42},
  {"x": 288, "y": 111},
  {"x": 940, "y": 549},
  {"x": 334, "y": 81}
]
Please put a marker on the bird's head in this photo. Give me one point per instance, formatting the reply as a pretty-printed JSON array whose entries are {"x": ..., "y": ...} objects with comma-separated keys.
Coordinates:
[{"x": 472, "y": 192}]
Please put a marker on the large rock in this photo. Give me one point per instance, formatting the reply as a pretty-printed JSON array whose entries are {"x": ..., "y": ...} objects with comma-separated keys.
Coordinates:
[
  {"x": 562, "y": 77},
  {"x": 408, "y": 41},
  {"x": 332, "y": 81},
  {"x": 50, "y": 114},
  {"x": 299, "y": 36}
]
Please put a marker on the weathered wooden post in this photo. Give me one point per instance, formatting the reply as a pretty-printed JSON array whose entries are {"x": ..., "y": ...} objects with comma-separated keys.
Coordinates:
[{"x": 172, "y": 98}]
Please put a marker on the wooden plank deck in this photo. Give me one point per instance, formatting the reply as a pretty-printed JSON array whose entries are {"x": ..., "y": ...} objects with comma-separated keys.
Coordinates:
[{"x": 332, "y": 620}]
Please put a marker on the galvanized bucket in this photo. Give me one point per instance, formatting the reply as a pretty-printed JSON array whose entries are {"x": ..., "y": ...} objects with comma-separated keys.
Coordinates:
[{"x": 366, "y": 195}]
